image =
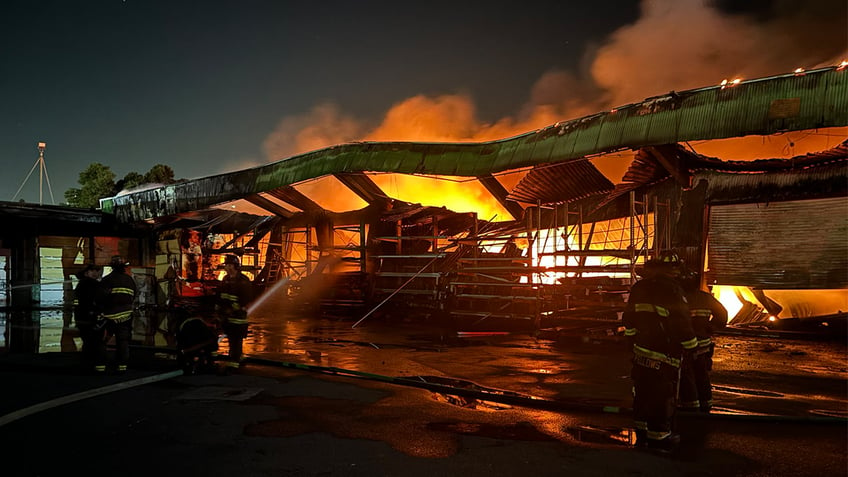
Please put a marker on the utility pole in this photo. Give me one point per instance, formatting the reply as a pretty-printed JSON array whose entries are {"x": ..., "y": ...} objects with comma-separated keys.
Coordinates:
[{"x": 42, "y": 175}]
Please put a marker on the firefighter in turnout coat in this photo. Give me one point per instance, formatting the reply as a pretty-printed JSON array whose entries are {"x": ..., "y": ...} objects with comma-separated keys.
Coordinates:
[
  {"x": 708, "y": 315},
  {"x": 121, "y": 290},
  {"x": 88, "y": 301},
  {"x": 656, "y": 320},
  {"x": 234, "y": 295}
]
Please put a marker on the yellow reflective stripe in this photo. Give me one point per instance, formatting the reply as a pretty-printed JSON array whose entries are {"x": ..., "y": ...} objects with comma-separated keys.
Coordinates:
[
  {"x": 630, "y": 331},
  {"x": 651, "y": 309},
  {"x": 690, "y": 404},
  {"x": 237, "y": 321},
  {"x": 690, "y": 344},
  {"x": 122, "y": 291},
  {"x": 658, "y": 435},
  {"x": 120, "y": 316},
  {"x": 705, "y": 312},
  {"x": 229, "y": 296},
  {"x": 640, "y": 351},
  {"x": 704, "y": 342}
]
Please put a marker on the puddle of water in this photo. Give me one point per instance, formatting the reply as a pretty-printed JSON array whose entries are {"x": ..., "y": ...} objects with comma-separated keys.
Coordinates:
[
  {"x": 470, "y": 403},
  {"x": 603, "y": 435},
  {"x": 519, "y": 431}
]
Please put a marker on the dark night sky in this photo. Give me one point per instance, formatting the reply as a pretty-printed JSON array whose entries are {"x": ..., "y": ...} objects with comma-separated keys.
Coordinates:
[{"x": 212, "y": 86}]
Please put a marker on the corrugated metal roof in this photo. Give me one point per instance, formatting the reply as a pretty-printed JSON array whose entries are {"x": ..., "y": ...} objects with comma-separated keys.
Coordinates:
[
  {"x": 216, "y": 220},
  {"x": 815, "y": 99},
  {"x": 563, "y": 182}
]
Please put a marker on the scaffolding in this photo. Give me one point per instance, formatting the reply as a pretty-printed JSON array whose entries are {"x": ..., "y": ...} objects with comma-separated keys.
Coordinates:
[{"x": 552, "y": 264}]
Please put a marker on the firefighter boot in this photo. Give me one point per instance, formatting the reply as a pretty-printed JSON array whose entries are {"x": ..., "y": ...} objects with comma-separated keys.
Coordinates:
[{"x": 669, "y": 445}]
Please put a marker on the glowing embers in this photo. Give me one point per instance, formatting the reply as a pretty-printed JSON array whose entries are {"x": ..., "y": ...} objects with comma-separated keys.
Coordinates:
[{"x": 725, "y": 83}]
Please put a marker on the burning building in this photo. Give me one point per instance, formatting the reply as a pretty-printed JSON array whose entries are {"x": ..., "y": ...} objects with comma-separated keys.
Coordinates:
[{"x": 765, "y": 234}]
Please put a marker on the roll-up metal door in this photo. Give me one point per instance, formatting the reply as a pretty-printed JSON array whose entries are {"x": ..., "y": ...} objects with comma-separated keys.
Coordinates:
[{"x": 780, "y": 245}]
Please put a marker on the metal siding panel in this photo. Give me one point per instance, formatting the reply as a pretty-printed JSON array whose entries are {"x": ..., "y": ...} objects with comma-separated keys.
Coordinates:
[
  {"x": 587, "y": 138},
  {"x": 611, "y": 131},
  {"x": 504, "y": 157},
  {"x": 436, "y": 158},
  {"x": 484, "y": 156},
  {"x": 835, "y": 110},
  {"x": 732, "y": 111},
  {"x": 660, "y": 125},
  {"x": 700, "y": 110},
  {"x": 463, "y": 164},
  {"x": 523, "y": 150},
  {"x": 635, "y": 127},
  {"x": 564, "y": 145},
  {"x": 781, "y": 245}
]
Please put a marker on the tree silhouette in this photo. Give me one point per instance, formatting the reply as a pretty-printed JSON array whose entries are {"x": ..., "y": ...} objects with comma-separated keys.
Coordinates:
[{"x": 96, "y": 181}]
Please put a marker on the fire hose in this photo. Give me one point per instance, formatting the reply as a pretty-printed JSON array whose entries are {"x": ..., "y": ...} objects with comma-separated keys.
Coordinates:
[
  {"x": 476, "y": 392},
  {"x": 513, "y": 398}
]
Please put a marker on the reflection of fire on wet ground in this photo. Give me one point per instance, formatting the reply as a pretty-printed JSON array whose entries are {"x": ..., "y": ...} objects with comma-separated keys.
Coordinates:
[
  {"x": 470, "y": 403},
  {"x": 603, "y": 435},
  {"x": 519, "y": 431}
]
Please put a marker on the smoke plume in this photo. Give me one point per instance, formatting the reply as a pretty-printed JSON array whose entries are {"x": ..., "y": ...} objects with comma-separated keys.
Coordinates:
[{"x": 673, "y": 45}]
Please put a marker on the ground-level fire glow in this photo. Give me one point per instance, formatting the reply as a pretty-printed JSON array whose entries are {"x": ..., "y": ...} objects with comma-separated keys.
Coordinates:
[{"x": 739, "y": 300}]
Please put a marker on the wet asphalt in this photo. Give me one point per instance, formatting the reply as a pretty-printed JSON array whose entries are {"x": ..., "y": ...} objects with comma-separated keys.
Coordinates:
[{"x": 318, "y": 397}]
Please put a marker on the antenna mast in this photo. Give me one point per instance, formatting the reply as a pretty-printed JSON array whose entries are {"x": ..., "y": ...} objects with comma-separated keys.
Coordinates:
[{"x": 42, "y": 175}]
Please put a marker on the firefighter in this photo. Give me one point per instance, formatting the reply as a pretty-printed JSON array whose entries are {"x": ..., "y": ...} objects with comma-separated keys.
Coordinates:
[
  {"x": 656, "y": 321},
  {"x": 121, "y": 290},
  {"x": 708, "y": 315},
  {"x": 234, "y": 295},
  {"x": 88, "y": 301},
  {"x": 197, "y": 345}
]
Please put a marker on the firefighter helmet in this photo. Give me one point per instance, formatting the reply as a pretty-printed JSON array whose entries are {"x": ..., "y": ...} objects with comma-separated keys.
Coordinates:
[
  {"x": 232, "y": 260},
  {"x": 118, "y": 261},
  {"x": 666, "y": 259}
]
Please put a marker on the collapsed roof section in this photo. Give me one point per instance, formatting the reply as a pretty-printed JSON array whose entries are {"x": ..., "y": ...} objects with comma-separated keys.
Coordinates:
[
  {"x": 809, "y": 100},
  {"x": 813, "y": 175}
]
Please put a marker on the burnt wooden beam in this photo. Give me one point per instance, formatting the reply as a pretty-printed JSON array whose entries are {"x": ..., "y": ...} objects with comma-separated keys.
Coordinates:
[
  {"x": 268, "y": 205},
  {"x": 500, "y": 193},
  {"x": 667, "y": 155},
  {"x": 294, "y": 197},
  {"x": 362, "y": 185}
]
